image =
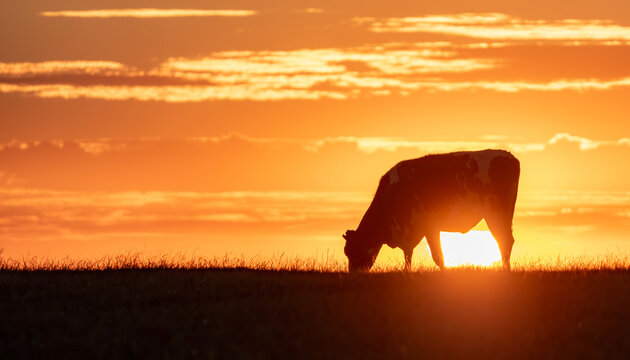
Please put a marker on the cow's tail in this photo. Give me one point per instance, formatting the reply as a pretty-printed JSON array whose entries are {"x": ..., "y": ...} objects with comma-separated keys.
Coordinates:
[
  {"x": 515, "y": 176},
  {"x": 504, "y": 175}
]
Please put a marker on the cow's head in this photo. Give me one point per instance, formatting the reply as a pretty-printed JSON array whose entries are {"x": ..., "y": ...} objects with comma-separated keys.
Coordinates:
[{"x": 361, "y": 253}]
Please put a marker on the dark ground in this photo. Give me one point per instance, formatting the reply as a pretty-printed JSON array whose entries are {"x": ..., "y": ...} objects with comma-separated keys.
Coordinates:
[{"x": 265, "y": 314}]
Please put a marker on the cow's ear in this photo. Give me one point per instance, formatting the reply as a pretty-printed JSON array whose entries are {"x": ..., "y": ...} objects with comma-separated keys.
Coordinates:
[{"x": 348, "y": 234}]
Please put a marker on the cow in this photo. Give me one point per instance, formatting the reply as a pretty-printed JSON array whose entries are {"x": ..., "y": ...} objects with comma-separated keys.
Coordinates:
[{"x": 451, "y": 192}]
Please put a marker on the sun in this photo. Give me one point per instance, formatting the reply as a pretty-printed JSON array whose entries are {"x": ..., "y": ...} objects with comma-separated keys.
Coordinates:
[{"x": 475, "y": 247}]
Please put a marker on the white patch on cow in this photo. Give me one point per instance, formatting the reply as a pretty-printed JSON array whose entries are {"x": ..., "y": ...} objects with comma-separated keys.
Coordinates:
[{"x": 393, "y": 175}]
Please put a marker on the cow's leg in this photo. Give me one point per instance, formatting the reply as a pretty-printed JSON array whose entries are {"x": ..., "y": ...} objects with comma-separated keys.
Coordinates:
[
  {"x": 436, "y": 248},
  {"x": 502, "y": 232},
  {"x": 407, "y": 248},
  {"x": 408, "y": 251}
]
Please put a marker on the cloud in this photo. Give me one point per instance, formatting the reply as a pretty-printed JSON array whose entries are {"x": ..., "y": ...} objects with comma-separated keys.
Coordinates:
[
  {"x": 276, "y": 75},
  {"x": 236, "y": 161},
  {"x": 223, "y": 162},
  {"x": 22, "y": 69},
  {"x": 273, "y": 207},
  {"x": 147, "y": 13},
  {"x": 330, "y": 61},
  {"x": 21, "y": 145},
  {"x": 33, "y": 211},
  {"x": 342, "y": 70},
  {"x": 278, "y": 88},
  {"x": 302, "y": 74},
  {"x": 517, "y": 86},
  {"x": 586, "y": 144},
  {"x": 600, "y": 212},
  {"x": 366, "y": 145},
  {"x": 310, "y": 11},
  {"x": 371, "y": 144},
  {"x": 498, "y": 26},
  {"x": 171, "y": 94},
  {"x": 28, "y": 214},
  {"x": 100, "y": 146},
  {"x": 246, "y": 75}
]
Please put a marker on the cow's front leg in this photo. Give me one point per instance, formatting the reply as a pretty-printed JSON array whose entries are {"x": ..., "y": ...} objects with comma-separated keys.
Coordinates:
[
  {"x": 408, "y": 255},
  {"x": 436, "y": 249},
  {"x": 408, "y": 247}
]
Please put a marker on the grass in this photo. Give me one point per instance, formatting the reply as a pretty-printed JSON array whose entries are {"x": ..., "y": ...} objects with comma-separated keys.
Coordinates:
[
  {"x": 181, "y": 307},
  {"x": 281, "y": 262}
]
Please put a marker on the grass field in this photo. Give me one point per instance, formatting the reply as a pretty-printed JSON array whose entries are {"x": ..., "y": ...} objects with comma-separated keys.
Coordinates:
[{"x": 132, "y": 307}]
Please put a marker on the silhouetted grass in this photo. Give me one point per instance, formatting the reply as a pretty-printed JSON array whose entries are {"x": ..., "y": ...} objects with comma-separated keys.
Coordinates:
[
  {"x": 140, "y": 261},
  {"x": 281, "y": 262},
  {"x": 134, "y": 306}
]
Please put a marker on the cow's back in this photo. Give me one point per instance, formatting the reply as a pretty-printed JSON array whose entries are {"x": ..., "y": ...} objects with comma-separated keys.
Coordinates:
[{"x": 454, "y": 188}]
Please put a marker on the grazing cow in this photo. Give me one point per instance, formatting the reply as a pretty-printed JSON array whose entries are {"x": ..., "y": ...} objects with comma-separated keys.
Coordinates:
[{"x": 444, "y": 192}]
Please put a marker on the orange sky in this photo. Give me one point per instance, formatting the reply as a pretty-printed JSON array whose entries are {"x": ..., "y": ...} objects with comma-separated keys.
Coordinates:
[{"x": 257, "y": 128}]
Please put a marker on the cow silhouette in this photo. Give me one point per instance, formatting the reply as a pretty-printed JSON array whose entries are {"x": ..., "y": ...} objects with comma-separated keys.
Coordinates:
[{"x": 420, "y": 197}]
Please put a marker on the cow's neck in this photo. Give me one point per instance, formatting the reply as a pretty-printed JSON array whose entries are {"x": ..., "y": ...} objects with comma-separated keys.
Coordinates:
[{"x": 373, "y": 225}]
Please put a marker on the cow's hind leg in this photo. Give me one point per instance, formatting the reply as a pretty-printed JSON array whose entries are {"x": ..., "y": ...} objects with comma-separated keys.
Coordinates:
[
  {"x": 436, "y": 248},
  {"x": 502, "y": 232}
]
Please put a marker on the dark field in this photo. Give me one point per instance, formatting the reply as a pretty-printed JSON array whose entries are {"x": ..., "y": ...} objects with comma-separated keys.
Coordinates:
[{"x": 281, "y": 314}]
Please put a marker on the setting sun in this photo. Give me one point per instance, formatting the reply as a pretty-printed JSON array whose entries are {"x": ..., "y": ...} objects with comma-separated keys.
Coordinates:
[{"x": 475, "y": 247}]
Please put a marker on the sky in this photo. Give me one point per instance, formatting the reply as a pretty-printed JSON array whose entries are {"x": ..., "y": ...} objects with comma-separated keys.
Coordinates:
[{"x": 248, "y": 128}]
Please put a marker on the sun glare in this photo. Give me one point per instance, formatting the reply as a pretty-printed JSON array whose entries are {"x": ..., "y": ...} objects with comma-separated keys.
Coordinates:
[{"x": 472, "y": 248}]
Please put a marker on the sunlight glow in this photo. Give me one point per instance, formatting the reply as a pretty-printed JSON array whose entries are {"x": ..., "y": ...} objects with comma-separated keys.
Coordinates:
[{"x": 472, "y": 248}]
